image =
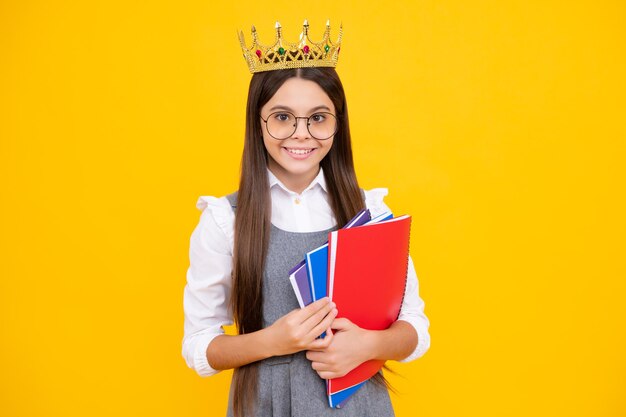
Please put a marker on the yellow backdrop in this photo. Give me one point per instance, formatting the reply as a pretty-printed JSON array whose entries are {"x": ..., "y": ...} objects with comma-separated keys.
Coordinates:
[{"x": 499, "y": 126}]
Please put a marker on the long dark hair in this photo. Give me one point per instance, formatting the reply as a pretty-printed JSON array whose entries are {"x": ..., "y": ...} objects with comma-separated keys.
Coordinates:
[{"x": 252, "y": 222}]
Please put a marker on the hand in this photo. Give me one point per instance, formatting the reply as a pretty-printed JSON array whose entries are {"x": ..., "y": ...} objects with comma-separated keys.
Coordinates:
[
  {"x": 350, "y": 348},
  {"x": 298, "y": 330}
]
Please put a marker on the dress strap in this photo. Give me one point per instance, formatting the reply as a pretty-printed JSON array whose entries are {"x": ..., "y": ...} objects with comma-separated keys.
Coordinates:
[{"x": 232, "y": 199}]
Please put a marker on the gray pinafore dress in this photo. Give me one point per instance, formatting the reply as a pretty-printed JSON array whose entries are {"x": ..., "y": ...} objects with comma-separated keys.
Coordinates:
[{"x": 288, "y": 385}]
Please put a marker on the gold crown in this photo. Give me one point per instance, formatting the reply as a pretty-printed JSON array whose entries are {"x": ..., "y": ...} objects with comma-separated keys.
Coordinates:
[{"x": 282, "y": 54}]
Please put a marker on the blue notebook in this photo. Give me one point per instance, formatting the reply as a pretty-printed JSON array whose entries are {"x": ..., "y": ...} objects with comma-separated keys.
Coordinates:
[
  {"x": 317, "y": 269},
  {"x": 339, "y": 399}
]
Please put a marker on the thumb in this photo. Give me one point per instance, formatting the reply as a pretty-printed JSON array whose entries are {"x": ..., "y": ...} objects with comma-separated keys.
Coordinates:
[{"x": 341, "y": 324}]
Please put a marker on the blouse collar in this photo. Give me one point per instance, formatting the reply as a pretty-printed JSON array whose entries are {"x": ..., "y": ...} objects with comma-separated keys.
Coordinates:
[{"x": 319, "y": 179}]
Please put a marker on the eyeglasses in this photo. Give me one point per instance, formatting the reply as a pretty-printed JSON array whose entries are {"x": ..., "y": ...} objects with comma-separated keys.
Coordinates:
[{"x": 283, "y": 124}]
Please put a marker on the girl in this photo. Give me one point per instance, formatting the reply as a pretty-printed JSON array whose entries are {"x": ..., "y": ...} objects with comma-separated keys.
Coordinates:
[{"x": 297, "y": 184}]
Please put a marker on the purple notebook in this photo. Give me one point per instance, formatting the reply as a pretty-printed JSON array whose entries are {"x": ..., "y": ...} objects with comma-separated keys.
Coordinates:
[{"x": 300, "y": 283}]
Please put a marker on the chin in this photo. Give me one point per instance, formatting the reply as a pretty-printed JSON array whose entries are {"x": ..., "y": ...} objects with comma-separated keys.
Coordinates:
[{"x": 299, "y": 168}]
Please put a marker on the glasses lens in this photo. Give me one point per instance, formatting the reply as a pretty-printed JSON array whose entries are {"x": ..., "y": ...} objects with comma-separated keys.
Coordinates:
[
  {"x": 322, "y": 125},
  {"x": 281, "y": 125}
]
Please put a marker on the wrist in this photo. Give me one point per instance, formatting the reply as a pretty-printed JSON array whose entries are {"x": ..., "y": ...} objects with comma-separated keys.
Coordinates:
[
  {"x": 263, "y": 341},
  {"x": 372, "y": 343}
]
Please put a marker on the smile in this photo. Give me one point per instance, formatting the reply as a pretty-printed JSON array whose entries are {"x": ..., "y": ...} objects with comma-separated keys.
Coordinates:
[{"x": 299, "y": 151}]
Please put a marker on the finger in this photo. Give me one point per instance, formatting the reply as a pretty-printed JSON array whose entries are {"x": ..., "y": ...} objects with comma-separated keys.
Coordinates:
[
  {"x": 318, "y": 317},
  {"x": 314, "y": 355},
  {"x": 322, "y": 344},
  {"x": 321, "y": 367},
  {"x": 322, "y": 325},
  {"x": 341, "y": 323},
  {"x": 314, "y": 308},
  {"x": 327, "y": 374}
]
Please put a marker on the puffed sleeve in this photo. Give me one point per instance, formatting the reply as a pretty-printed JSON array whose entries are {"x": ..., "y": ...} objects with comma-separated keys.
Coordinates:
[
  {"x": 412, "y": 310},
  {"x": 207, "y": 291}
]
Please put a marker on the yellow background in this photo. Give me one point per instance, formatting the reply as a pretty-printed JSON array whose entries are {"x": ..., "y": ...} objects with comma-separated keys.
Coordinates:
[{"x": 499, "y": 126}]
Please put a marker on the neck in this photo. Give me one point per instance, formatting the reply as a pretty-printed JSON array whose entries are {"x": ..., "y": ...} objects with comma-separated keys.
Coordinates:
[{"x": 294, "y": 182}]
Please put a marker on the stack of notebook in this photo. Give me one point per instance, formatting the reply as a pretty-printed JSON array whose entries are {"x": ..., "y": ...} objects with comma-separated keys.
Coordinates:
[{"x": 363, "y": 270}]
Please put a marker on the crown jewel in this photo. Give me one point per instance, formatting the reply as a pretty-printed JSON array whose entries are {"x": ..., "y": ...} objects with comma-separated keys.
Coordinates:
[{"x": 282, "y": 54}]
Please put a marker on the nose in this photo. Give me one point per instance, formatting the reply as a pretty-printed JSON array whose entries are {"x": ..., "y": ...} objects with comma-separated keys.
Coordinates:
[{"x": 302, "y": 130}]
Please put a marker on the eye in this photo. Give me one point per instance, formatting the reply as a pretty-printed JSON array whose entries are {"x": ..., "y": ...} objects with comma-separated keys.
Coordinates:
[
  {"x": 318, "y": 117},
  {"x": 282, "y": 117}
]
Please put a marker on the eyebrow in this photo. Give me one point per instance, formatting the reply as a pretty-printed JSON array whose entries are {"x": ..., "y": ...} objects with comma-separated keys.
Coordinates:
[{"x": 292, "y": 110}]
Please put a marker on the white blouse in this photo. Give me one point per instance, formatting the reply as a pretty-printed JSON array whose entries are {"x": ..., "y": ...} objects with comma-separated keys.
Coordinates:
[{"x": 206, "y": 294}]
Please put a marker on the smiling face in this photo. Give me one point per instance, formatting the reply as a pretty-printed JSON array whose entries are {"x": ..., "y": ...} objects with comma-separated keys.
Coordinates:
[{"x": 296, "y": 160}]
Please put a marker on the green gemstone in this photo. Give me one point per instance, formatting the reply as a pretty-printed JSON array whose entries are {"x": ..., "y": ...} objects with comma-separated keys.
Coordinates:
[
  {"x": 281, "y": 50},
  {"x": 326, "y": 48}
]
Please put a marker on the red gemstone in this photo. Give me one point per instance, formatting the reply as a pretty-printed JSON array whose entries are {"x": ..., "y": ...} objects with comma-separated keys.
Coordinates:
[
  {"x": 258, "y": 53},
  {"x": 306, "y": 49},
  {"x": 338, "y": 49}
]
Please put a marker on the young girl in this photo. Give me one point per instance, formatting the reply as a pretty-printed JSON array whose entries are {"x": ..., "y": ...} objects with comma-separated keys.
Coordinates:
[{"x": 297, "y": 184}]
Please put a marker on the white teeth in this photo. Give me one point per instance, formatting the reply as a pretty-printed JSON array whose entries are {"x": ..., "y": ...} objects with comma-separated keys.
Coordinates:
[{"x": 299, "y": 151}]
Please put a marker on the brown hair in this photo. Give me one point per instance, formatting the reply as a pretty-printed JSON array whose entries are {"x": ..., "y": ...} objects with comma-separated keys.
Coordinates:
[{"x": 252, "y": 222}]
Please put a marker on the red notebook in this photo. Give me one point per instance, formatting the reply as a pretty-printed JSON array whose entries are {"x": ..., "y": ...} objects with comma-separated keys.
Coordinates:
[{"x": 367, "y": 268}]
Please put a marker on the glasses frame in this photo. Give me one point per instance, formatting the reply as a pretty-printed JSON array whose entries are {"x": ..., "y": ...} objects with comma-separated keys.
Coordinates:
[{"x": 295, "y": 127}]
